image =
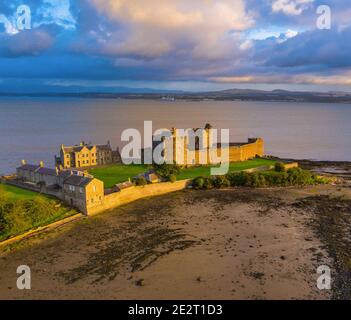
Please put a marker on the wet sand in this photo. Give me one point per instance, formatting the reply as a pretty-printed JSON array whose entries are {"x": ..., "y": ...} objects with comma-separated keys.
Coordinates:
[{"x": 216, "y": 244}]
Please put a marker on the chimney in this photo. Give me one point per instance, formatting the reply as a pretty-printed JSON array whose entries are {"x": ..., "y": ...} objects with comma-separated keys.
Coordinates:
[
  {"x": 41, "y": 164},
  {"x": 23, "y": 162}
]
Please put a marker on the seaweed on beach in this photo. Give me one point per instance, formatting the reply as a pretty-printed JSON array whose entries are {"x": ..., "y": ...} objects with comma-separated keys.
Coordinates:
[
  {"x": 331, "y": 222},
  {"x": 131, "y": 247}
]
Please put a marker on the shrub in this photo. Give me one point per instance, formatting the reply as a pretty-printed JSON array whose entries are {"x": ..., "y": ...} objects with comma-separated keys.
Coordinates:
[
  {"x": 279, "y": 167},
  {"x": 166, "y": 170},
  {"x": 172, "y": 178},
  {"x": 140, "y": 181},
  {"x": 208, "y": 183},
  {"x": 238, "y": 179},
  {"x": 292, "y": 177},
  {"x": 221, "y": 182},
  {"x": 198, "y": 183}
]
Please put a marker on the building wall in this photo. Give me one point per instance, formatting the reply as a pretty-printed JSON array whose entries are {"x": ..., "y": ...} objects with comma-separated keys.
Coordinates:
[
  {"x": 131, "y": 194},
  {"x": 84, "y": 198},
  {"x": 86, "y": 158},
  {"x": 248, "y": 151},
  {"x": 104, "y": 157},
  {"x": 254, "y": 147},
  {"x": 25, "y": 175}
]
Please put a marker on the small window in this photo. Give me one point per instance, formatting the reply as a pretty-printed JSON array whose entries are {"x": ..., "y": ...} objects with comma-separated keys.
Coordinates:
[{"x": 94, "y": 188}]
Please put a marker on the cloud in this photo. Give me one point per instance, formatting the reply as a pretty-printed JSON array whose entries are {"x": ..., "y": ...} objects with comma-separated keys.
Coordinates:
[
  {"x": 323, "y": 48},
  {"x": 25, "y": 43},
  {"x": 343, "y": 78},
  {"x": 205, "y": 28},
  {"x": 290, "y": 7},
  {"x": 222, "y": 42}
]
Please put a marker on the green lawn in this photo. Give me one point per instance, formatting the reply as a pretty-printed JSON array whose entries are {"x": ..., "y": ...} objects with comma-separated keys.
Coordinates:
[
  {"x": 16, "y": 193},
  {"x": 117, "y": 173},
  {"x": 195, "y": 172}
]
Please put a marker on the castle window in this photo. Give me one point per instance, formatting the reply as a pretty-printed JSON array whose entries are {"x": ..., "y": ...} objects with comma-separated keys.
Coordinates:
[{"x": 72, "y": 188}]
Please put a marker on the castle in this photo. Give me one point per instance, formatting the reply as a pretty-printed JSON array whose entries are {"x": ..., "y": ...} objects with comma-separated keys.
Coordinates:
[{"x": 196, "y": 150}]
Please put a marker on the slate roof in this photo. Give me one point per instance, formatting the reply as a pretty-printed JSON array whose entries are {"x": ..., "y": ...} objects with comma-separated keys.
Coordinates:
[
  {"x": 64, "y": 174},
  {"x": 69, "y": 149},
  {"x": 105, "y": 147},
  {"x": 78, "y": 181},
  {"x": 76, "y": 148},
  {"x": 47, "y": 171},
  {"x": 29, "y": 167}
]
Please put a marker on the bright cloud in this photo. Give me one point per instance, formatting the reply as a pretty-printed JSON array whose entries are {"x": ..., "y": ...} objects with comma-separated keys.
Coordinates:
[
  {"x": 154, "y": 27},
  {"x": 290, "y": 7}
]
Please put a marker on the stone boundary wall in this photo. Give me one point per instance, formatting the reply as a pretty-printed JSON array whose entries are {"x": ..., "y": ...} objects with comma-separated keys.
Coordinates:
[{"x": 131, "y": 194}]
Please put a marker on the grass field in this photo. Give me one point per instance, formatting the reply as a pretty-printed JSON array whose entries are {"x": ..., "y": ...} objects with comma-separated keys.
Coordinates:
[
  {"x": 193, "y": 173},
  {"x": 118, "y": 173},
  {"x": 23, "y": 210},
  {"x": 15, "y": 193}
]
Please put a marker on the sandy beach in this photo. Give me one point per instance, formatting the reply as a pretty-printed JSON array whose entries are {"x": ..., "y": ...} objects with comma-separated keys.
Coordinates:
[{"x": 217, "y": 244}]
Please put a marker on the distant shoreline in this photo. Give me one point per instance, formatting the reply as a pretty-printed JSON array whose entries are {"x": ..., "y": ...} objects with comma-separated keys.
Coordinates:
[{"x": 263, "y": 96}]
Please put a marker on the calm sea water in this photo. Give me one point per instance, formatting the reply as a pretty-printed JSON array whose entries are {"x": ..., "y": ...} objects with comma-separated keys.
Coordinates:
[{"x": 34, "y": 129}]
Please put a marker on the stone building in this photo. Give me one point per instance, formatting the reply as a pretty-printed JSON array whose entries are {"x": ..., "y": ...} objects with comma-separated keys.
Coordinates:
[
  {"x": 86, "y": 155},
  {"x": 74, "y": 187},
  {"x": 195, "y": 150},
  {"x": 83, "y": 192}
]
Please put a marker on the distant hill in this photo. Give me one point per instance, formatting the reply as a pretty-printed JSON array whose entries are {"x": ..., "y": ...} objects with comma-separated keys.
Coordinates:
[{"x": 224, "y": 95}]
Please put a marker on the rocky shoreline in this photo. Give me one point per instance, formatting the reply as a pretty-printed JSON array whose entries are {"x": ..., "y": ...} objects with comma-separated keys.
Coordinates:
[{"x": 338, "y": 169}]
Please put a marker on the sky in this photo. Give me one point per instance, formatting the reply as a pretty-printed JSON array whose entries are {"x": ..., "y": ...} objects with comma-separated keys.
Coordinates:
[{"x": 198, "y": 45}]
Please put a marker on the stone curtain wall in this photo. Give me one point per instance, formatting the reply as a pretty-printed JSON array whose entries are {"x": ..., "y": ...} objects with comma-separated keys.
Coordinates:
[
  {"x": 131, "y": 194},
  {"x": 247, "y": 151}
]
